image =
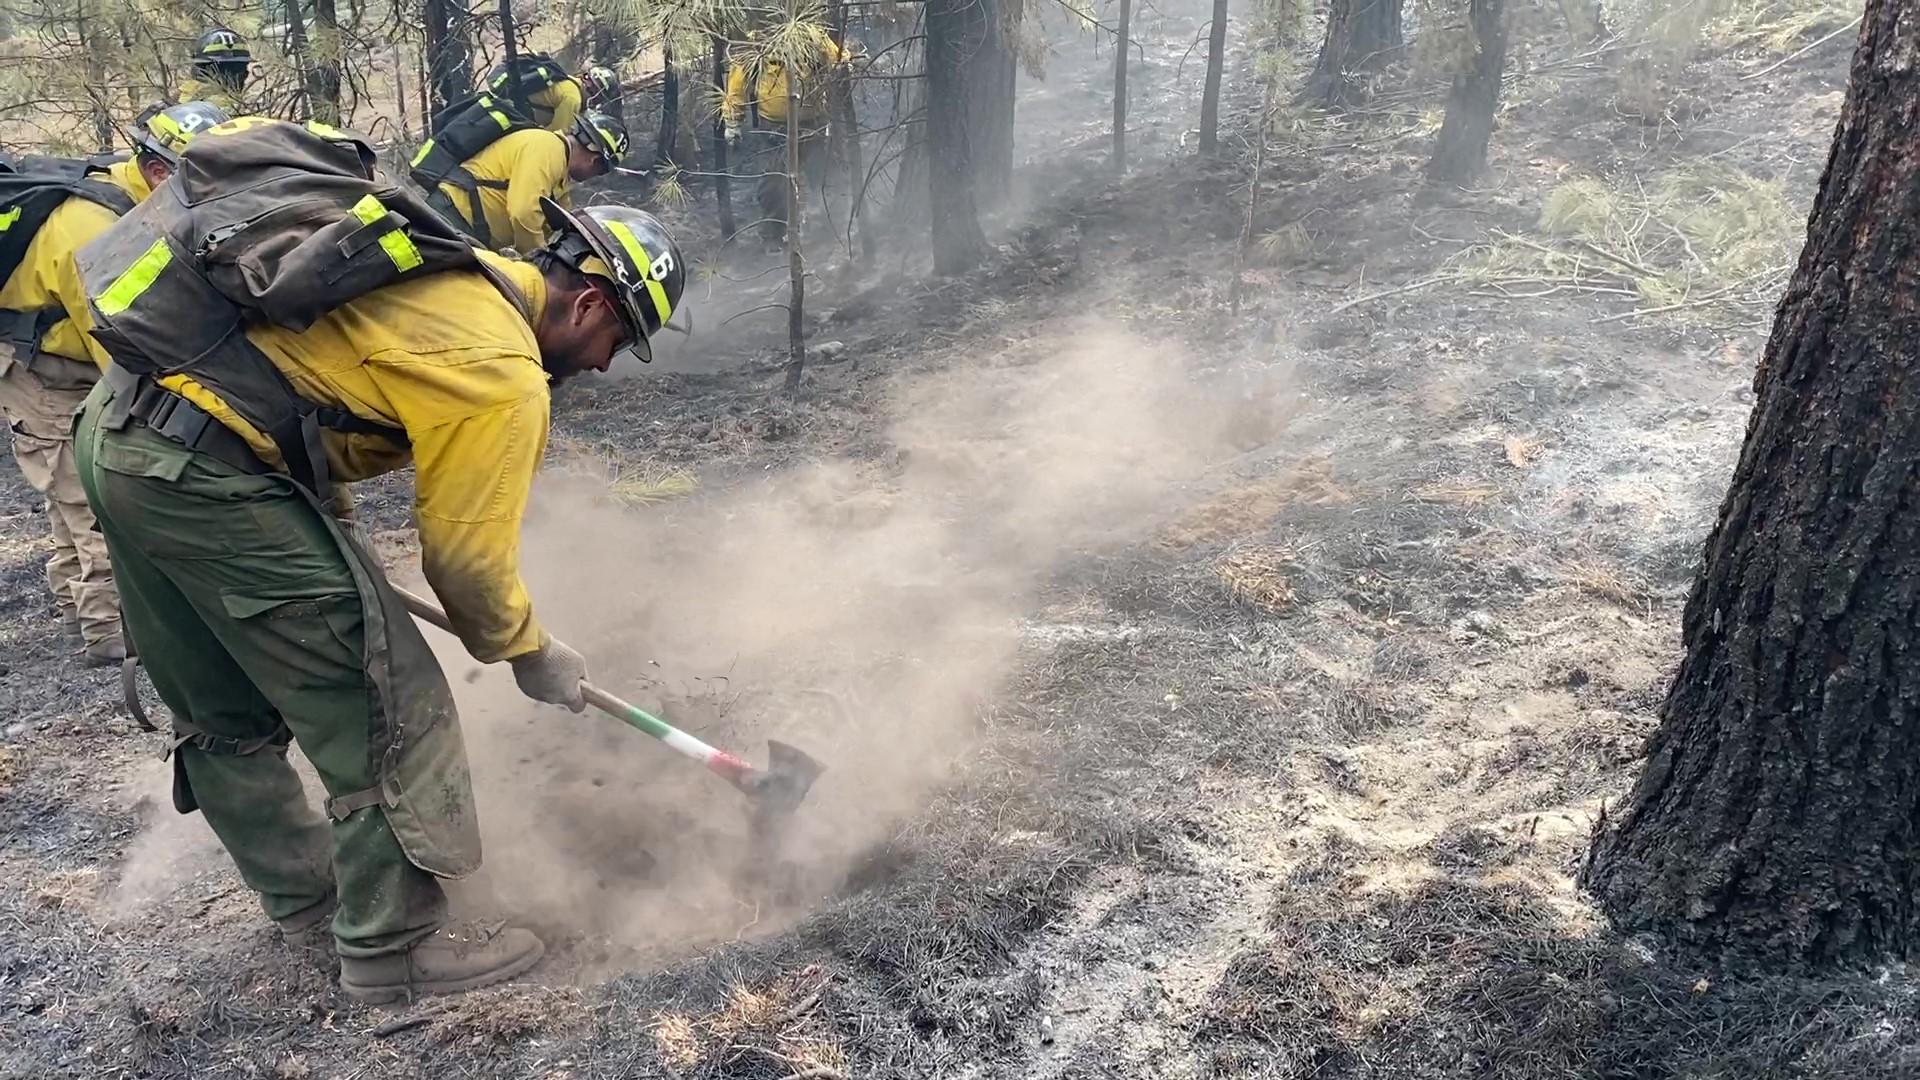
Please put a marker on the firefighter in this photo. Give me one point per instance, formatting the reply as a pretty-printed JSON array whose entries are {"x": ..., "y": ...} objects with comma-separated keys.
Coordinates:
[
  {"x": 221, "y": 63},
  {"x": 495, "y": 194},
  {"x": 758, "y": 84},
  {"x": 262, "y": 622},
  {"x": 51, "y": 363}
]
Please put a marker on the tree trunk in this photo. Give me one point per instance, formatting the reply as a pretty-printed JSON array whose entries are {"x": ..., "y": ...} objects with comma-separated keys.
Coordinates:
[
  {"x": 1774, "y": 821},
  {"x": 448, "y": 59},
  {"x": 509, "y": 55},
  {"x": 323, "y": 86},
  {"x": 722, "y": 183},
  {"x": 1362, "y": 35},
  {"x": 1460, "y": 151},
  {"x": 992, "y": 70},
  {"x": 663, "y": 147},
  {"x": 796, "y": 223},
  {"x": 610, "y": 45},
  {"x": 90, "y": 45},
  {"x": 846, "y": 136},
  {"x": 1216, "y": 66},
  {"x": 1117, "y": 160},
  {"x": 955, "y": 29},
  {"x": 302, "y": 51}
]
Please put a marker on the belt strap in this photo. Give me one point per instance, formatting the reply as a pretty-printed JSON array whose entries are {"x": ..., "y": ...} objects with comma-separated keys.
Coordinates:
[
  {"x": 346, "y": 805},
  {"x": 26, "y": 328},
  {"x": 173, "y": 417},
  {"x": 185, "y": 734}
]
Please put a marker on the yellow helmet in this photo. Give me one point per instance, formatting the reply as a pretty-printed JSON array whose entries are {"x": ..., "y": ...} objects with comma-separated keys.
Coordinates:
[{"x": 165, "y": 130}]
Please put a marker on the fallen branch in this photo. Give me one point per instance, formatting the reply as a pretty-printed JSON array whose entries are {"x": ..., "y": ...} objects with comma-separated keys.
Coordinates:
[
  {"x": 408, "y": 1022},
  {"x": 1383, "y": 294},
  {"x": 1785, "y": 60}
]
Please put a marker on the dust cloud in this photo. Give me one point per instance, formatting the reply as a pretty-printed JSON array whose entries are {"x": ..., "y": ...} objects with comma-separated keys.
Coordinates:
[{"x": 858, "y": 609}]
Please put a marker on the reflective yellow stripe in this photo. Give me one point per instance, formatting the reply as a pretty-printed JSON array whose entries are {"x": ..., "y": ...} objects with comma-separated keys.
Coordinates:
[
  {"x": 501, "y": 118},
  {"x": 135, "y": 279},
  {"x": 644, "y": 262},
  {"x": 7, "y": 219},
  {"x": 326, "y": 131},
  {"x": 398, "y": 245},
  {"x": 425, "y": 149}
]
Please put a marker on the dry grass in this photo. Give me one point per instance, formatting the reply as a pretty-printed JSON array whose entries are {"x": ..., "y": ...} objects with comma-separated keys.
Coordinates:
[
  {"x": 778, "y": 1021},
  {"x": 1245, "y": 510},
  {"x": 1778, "y": 26},
  {"x": 68, "y": 890},
  {"x": 1607, "y": 583},
  {"x": 1258, "y": 576},
  {"x": 1457, "y": 492},
  {"x": 652, "y": 483},
  {"x": 499, "y": 1018}
]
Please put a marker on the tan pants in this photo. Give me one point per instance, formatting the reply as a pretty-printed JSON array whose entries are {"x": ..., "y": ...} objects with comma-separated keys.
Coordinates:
[{"x": 39, "y": 398}]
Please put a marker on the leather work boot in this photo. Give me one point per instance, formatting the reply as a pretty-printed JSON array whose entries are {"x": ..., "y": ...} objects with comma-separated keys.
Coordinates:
[
  {"x": 309, "y": 934},
  {"x": 454, "y": 959},
  {"x": 107, "y": 652}
]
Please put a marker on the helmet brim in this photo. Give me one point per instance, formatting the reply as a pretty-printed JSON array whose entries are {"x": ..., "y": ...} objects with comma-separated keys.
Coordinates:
[{"x": 560, "y": 219}]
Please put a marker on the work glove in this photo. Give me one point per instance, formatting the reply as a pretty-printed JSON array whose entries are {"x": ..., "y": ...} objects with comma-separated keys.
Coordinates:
[
  {"x": 733, "y": 134},
  {"x": 553, "y": 674}
]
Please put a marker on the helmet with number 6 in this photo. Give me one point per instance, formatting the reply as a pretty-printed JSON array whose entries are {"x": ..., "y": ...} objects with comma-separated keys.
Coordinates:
[
  {"x": 165, "y": 131},
  {"x": 631, "y": 249}
]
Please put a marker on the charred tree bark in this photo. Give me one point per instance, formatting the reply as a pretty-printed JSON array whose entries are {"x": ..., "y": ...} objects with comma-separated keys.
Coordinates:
[
  {"x": 1773, "y": 824},
  {"x": 1362, "y": 35},
  {"x": 845, "y": 130},
  {"x": 302, "y": 51},
  {"x": 1216, "y": 67},
  {"x": 991, "y": 72},
  {"x": 722, "y": 183},
  {"x": 448, "y": 58},
  {"x": 1460, "y": 150},
  {"x": 955, "y": 29},
  {"x": 669, "y": 135},
  {"x": 1117, "y": 160},
  {"x": 96, "y": 76}
]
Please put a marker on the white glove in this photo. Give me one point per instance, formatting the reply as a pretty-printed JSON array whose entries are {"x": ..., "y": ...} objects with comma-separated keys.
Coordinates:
[{"x": 552, "y": 675}]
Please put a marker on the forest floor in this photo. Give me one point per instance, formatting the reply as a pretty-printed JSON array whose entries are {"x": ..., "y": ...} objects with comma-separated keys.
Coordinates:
[{"x": 1204, "y": 695}]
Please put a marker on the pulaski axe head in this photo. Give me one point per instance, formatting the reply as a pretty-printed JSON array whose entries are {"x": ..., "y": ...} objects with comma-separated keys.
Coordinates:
[{"x": 782, "y": 786}]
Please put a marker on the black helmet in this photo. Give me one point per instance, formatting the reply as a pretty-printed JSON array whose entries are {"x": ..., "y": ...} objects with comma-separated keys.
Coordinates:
[
  {"x": 165, "y": 130},
  {"x": 221, "y": 46},
  {"x": 603, "y": 135},
  {"x": 629, "y": 248}
]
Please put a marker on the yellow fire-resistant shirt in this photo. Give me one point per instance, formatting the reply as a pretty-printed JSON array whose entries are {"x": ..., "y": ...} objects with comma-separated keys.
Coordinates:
[
  {"x": 530, "y": 163},
  {"x": 556, "y": 107},
  {"x": 770, "y": 90},
  {"x": 48, "y": 277},
  {"x": 452, "y": 360}
]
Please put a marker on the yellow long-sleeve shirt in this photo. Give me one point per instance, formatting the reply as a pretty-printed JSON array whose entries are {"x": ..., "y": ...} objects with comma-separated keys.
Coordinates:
[
  {"x": 556, "y": 107},
  {"x": 530, "y": 164},
  {"x": 48, "y": 276},
  {"x": 770, "y": 90},
  {"x": 455, "y": 363}
]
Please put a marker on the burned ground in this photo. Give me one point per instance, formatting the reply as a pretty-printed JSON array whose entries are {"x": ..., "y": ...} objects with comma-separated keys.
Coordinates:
[{"x": 1283, "y": 771}]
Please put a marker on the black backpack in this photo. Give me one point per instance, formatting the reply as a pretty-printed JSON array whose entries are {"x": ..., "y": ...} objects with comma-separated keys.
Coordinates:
[
  {"x": 531, "y": 73},
  {"x": 31, "y": 189},
  {"x": 264, "y": 221},
  {"x": 469, "y": 126}
]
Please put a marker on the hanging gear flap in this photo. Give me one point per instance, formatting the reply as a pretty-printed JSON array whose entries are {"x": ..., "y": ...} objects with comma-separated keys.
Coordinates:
[{"x": 265, "y": 221}]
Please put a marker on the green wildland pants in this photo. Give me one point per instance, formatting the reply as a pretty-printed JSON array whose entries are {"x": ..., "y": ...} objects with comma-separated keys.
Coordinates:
[{"x": 254, "y": 613}]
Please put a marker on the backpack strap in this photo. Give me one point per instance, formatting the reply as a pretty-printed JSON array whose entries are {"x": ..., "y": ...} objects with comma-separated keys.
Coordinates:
[{"x": 25, "y": 328}]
